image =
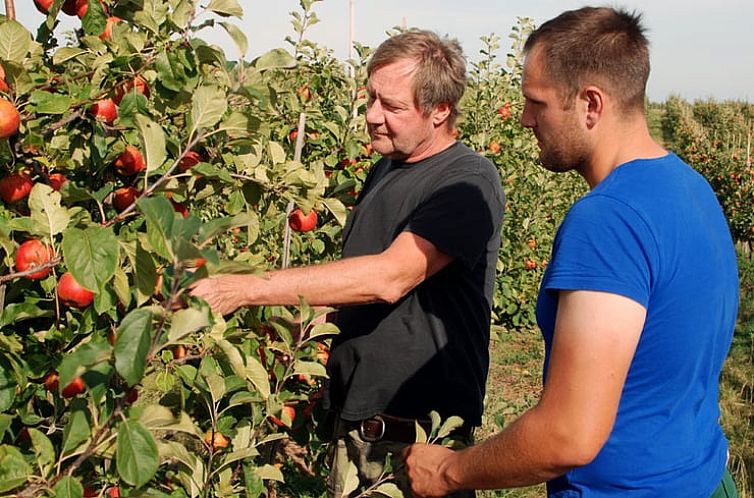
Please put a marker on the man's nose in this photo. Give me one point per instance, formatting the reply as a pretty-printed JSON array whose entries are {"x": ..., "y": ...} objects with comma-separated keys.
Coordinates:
[
  {"x": 527, "y": 118},
  {"x": 374, "y": 112}
]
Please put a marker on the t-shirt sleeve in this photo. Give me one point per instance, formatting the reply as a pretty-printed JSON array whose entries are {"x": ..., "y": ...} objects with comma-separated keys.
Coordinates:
[
  {"x": 603, "y": 245},
  {"x": 461, "y": 215}
]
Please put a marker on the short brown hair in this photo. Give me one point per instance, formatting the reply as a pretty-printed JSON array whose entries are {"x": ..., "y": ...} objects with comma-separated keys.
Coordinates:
[
  {"x": 440, "y": 74},
  {"x": 599, "y": 43}
]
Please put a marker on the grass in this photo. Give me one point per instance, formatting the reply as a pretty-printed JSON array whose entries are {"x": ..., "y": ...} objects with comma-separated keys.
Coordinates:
[{"x": 515, "y": 380}]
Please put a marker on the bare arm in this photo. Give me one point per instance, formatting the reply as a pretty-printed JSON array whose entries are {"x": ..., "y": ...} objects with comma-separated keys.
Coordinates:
[
  {"x": 596, "y": 335},
  {"x": 384, "y": 277}
]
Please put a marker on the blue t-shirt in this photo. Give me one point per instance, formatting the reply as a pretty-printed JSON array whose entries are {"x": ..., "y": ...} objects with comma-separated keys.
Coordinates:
[{"x": 654, "y": 232}]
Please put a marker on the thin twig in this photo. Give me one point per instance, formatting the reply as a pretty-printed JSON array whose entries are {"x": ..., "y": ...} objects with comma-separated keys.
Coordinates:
[
  {"x": 48, "y": 264},
  {"x": 289, "y": 208}
]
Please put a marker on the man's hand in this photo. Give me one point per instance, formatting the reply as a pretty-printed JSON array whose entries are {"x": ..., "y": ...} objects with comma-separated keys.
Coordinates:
[
  {"x": 224, "y": 293},
  {"x": 426, "y": 466}
]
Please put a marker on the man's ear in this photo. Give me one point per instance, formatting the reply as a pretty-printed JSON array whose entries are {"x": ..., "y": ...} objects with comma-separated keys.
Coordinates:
[
  {"x": 593, "y": 99},
  {"x": 440, "y": 114}
]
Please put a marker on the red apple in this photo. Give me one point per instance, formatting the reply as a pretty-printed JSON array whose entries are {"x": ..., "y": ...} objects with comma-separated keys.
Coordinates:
[
  {"x": 108, "y": 31},
  {"x": 72, "y": 294},
  {"x": 137, "y": 84},
  {"x": 180, "y": 208},
  {"x": 192, "y": 158},
  {"x": 56, "y": 181},
  {"x": 51, "y": 382},
  {"x": 304, "y": 92},
  {"x": 33, "y": 253},
  {"x": 10, "y": 119},
  {"x": 43, "y": 6},
  {"x": 217, "y": 440},
  {"x": 124, "y": 197},
  {"x": 3, "y": 84},
  {"x": 75, "y": 7},
  {"x": 105, "y": 110},
  {"x": 81, "y": 7},
  {"x": 300, "y": 222},
  {"x": 15, "y": 187},
  {"x": 76, "y": 386},
  {"x": 288, "y": 413},
  {"x": 130, "y": 161}
]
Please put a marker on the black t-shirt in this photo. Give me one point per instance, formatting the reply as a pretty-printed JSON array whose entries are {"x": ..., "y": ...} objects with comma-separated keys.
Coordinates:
[{"x": 429, "y": 350}]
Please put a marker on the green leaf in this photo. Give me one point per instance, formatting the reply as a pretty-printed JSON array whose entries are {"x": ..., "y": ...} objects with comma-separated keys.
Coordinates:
[
  {"x": 15, "y": 41},
  {"x": 13, "y": 468},
  {"x": 146, "y": 275},
  {"x": 158, "y": 417},
  {"x": 95, "y": 20},
  {"x": 234, "y": 357},
  {"x": 44, "y": 451},
  {"x": 8, "y": 385},
  {"x": 152, "y": 14},
  {"x": 337, "y": 208},
  {"x": 213, "y": 228},
  {"x": 389, "y": 489},
  {"x": 91, "y": 255},
  {"x": 187, "y": 321},
  {"x": 48, "y": 216},
  {"x": 257, "y": 375},
  {"x": 160, "y": 219},
  {"x": 66, "y": 53},
  {"x": 421, "y": 434},
  {"x": 50, "y": 103},
  {"x": 121, "y": 287},
  {"x": 270, "y": 473},
  {"x": 132, "y": 345},
  {"x": 77, "y": 430},
  {"x": 226, "y": 8},
  {"x": 238, "y": 37},
  {"x": 136, "y": 454},
  {"x": 276, "y": 58},
  {"x": 68, "y": 487},
  {"x": 322, "y": 329},
  {"x": 277, "y": 153},
  {"x": 78, "y": 361},
  {"x": 310, "y": 368},
  {"x": 451, "y": 424},
  {"x": 434, "y": 416},
  {"x": 216, "y": 387},
  {"x": 351, "y": 481},
  {"x": 237, "y": 124},
  {"x": 18, "y": 312},
  {"x": 208, "y": 104},
  {"x": 182, "y": 14},
  {"x": 153, "y": 142}
]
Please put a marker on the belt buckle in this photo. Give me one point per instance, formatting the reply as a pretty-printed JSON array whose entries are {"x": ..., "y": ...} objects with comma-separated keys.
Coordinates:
[{"x": 368, "y": 438}]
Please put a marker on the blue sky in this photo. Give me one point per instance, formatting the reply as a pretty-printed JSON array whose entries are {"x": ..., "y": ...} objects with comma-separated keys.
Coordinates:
[{"x": 699, "y": 49}]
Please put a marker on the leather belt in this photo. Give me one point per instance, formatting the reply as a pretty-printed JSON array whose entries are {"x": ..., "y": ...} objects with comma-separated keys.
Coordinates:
[{"x": 403, "y": 430}]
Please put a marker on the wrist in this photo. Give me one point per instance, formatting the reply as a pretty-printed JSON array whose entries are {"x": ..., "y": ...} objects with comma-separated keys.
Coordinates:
[{"x": 452, "y": 471}]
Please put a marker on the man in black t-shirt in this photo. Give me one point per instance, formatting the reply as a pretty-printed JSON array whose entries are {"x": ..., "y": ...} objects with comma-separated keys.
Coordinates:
[{"x": 414, "y": 286}]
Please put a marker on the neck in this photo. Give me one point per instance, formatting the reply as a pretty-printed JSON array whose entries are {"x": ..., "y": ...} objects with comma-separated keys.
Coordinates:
[
  {"x": 621, "y": 144},
  {"x": 438, "y": 143}
]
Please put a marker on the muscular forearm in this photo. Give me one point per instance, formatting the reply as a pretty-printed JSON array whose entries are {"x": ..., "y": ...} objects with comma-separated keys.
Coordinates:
[
  {"x": 360, "y": 280},
  {"x": 349, "y": 281},
  {"x": 384, "y": 277},
  {"x": 528, "y": 452}
]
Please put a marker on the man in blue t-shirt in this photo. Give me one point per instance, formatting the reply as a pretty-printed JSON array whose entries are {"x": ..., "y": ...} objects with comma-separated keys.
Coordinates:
[{"x": 637, "y": 306}]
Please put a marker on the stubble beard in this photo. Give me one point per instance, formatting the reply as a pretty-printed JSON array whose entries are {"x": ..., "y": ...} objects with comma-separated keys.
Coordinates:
[{"x": 567, "y": 152}]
